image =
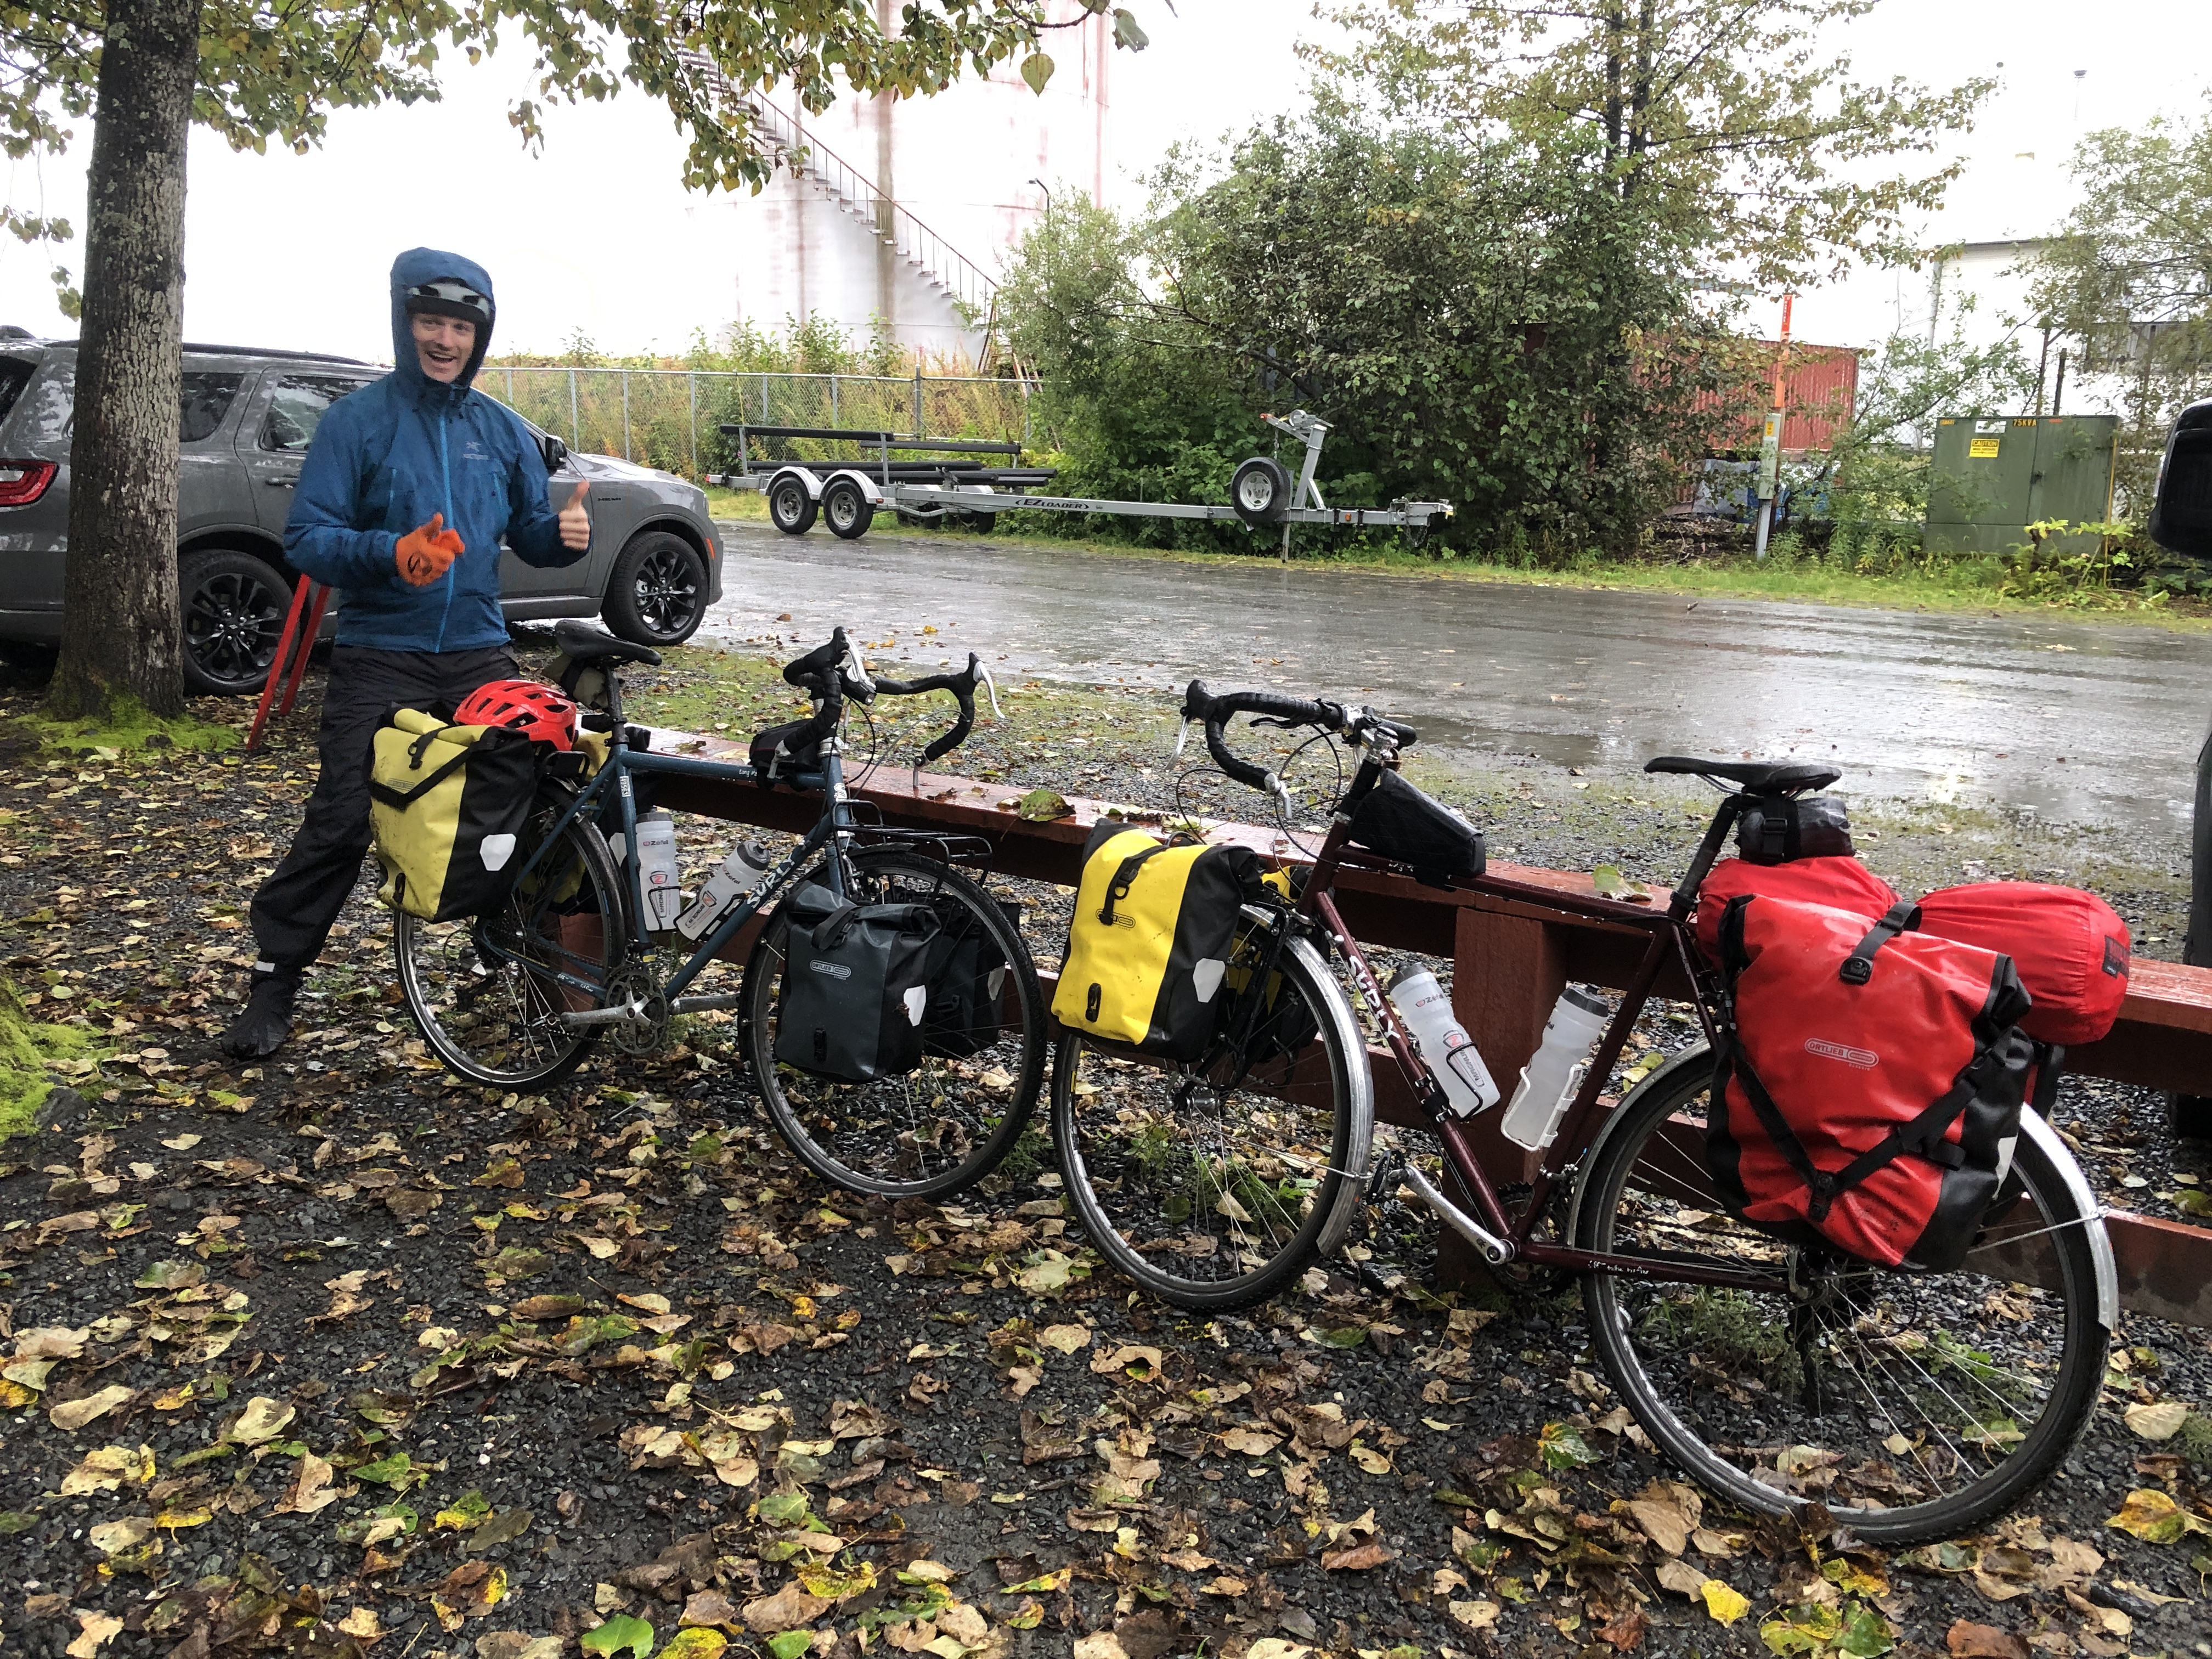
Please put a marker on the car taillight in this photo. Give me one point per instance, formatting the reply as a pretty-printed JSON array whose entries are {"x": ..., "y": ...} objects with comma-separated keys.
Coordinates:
[{"x": 22, "y": 482}]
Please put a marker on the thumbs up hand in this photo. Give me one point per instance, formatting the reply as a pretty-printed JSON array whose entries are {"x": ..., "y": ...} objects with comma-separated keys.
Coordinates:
[
  {"x": 425, "y": 553},
  {"x": 575, "y": 522}
]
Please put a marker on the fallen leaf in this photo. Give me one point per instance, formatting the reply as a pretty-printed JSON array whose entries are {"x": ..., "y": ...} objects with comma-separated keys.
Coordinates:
[
  {"x": 262, "y": 1419},
  {"x": 788, "y": 1608},
  {"x": 1064, "y": 1338},
  {"x": 2158, "y": 1422},
  {"x": 620, "y": 1633},
  {"x": 709, "y": 1607},
  {"x": 1476, "y": 1615},
  {"x": 1723, "y": 1603},
  {"x": 74, "y": 1414},
  {"x": 109, "y": 1536},
  {"x": 311, "y": 1493},
  {"x": 1127, "y": 1357},
  {"x": 1354, "y": 1557},
  {"x": 1967, "y": 1640},
  {"x": 93, "y": 1630},
  {"x": 2156, "y": 1518}
]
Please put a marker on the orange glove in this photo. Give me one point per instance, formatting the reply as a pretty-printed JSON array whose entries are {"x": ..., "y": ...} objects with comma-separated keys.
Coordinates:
[{"x": 425, "y": 551}]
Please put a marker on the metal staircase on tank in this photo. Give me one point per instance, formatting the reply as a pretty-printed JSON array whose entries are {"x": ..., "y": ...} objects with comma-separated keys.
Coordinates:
[{"x": 943, "y": 266}]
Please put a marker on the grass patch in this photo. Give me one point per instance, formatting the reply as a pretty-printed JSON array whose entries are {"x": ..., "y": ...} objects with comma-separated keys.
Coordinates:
[{"x": 27, "y": 1048}]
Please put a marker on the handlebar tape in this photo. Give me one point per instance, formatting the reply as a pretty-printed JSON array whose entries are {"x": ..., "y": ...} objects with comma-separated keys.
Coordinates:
[{"x": 962, "y": 686}]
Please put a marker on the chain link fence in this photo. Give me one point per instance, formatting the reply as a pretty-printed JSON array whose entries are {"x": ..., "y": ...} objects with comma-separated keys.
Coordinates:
[{"x": 672, "y": 418}]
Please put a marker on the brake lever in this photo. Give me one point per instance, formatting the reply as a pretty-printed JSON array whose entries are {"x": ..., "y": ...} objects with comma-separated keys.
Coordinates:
[
  {"x": 858, "y": 669},
  {"x": 1182, "y": 736},
  {"x": 991, "y": 686}
]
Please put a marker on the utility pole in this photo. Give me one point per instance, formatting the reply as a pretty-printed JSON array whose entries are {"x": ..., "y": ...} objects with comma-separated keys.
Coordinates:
[{"x": 1770, "y": 447}]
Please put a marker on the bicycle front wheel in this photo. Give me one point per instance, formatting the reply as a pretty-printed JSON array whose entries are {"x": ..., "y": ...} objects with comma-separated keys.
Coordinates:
[
  {"x": 1214, "y": 1187},
  {"x": 950, "y": 1121},
  {"x": 488, "y": 992},
  {"x": 1920, "y": 1403}
]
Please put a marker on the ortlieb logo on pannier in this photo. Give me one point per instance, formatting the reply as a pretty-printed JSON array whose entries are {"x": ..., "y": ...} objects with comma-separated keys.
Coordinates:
[
  {"x": 1868, "y": 1099},
  {"x": 1151, "y": 938},
  {"x": 448, "y": 803}
]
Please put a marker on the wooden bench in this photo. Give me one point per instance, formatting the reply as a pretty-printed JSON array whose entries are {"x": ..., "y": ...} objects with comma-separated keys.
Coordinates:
[{"x": 1510, "y": 959}]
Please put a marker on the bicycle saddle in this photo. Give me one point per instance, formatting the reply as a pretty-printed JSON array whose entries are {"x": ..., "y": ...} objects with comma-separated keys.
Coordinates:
[
  {"x": 1755, "y": 777},
  {"x": 581, "y": 643}
]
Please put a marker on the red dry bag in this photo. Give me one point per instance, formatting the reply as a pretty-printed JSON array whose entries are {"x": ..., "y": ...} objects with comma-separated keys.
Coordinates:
[
  {"x": 1868, "y": 1096},
  {"x": 1839, "y": 883},
  {"x": 2068, "y": 947}
]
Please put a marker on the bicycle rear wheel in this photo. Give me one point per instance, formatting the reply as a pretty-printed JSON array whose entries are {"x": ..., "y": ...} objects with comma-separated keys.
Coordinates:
[
  {"x": 1917, "y": 1405},
  {"x": 484, "y": 990},
  {"x": 948, "y": 1122},
  {"x": 1215, "y": 1187}
]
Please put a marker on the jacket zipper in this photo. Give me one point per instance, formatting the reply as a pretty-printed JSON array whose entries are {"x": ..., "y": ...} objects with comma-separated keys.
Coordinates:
[{"x": 446, "y": 472}]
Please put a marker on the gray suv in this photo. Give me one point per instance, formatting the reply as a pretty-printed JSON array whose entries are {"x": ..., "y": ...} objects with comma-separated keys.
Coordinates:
[{"x": 654, "y": 566}]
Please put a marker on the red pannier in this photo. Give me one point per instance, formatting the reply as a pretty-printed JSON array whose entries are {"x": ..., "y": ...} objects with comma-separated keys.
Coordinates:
[
  {"x": 1839, "y": 883},
  {"x": 2068, "y": 947},
  {"x": 1868, "y": 1097}
]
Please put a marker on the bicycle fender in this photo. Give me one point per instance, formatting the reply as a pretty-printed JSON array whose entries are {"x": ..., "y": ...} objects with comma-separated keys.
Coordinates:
[
  {"x": 1353, "y": 1193},
  {"x": 2037, "y": 1129}
]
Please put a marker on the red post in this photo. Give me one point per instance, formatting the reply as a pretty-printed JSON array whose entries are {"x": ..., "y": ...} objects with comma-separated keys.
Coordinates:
[{"x": 285, "y": 641}]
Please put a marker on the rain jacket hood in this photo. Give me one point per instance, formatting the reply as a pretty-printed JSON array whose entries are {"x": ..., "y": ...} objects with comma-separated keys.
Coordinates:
[
  {"x": 426, "y": 265},
  {"x": 388, "y": 458}
]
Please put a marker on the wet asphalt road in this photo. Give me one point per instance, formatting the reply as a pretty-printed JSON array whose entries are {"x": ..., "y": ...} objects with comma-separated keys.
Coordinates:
[{"x": 2084, "y": 722}]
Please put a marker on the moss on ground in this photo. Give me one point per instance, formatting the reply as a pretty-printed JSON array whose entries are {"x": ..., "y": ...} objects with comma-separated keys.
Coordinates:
[
  {"x": 133, "y": 730},
  {"x": 27, "y": 1048}
]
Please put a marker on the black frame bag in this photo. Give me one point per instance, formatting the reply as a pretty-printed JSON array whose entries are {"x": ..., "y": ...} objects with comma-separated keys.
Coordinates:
[
  {"x": 1781, "y": 829},
  {"x": 1396, "y": 820},
  {"x": 761, "y": 754},
  {"x": 855, "y": 985}
]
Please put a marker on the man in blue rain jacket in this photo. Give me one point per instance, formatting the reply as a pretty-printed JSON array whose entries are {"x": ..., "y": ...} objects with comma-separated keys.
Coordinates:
[{"x": 407, "y": 488}]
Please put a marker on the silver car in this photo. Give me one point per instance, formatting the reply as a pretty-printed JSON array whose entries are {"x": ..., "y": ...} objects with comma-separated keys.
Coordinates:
[{"x": 247, "y": 418}]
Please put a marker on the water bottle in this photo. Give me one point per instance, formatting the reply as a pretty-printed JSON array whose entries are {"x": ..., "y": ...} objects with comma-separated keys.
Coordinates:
[
  {"x": 1444, "y": 1045},
  {"x": 656, "y": 870},
  {"x": 1553, "y": 1075},
  {"x": 739, "y": 875}
]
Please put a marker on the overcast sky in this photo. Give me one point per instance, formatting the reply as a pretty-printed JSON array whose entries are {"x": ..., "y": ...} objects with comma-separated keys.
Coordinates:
[{"x": 596, "y": 235}]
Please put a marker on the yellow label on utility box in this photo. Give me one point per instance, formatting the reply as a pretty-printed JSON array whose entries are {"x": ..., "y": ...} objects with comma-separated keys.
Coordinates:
[{"x": 1982, "y": 449}]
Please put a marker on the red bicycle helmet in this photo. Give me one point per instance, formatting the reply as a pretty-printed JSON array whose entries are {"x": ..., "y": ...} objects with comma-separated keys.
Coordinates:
[{"x": 526, "y": 705}]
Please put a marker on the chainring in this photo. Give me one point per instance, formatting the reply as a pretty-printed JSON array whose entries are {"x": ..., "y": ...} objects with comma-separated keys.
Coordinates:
[{"x": 632, "y": 984}]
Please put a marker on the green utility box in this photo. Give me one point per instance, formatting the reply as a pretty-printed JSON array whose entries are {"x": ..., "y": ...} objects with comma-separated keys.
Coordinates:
[{"x": 1996, "y": 475}]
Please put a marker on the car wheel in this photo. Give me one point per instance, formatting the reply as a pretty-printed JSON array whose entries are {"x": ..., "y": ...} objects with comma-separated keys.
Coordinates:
[
  {"x": 847, "y": 508},
  {"x": 1261, "y": 491},
  {"x": 790, "y": 506},
  {"x": 658, "y": 594},
  {"x": 234, "y": 606}
]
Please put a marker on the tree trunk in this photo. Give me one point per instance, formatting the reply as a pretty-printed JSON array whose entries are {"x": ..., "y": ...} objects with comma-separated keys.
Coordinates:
[{"x": 121, "y": 637}]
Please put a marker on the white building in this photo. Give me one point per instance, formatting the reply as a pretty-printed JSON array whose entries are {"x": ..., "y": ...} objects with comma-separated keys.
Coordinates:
[{"x": 905, "y": 207}]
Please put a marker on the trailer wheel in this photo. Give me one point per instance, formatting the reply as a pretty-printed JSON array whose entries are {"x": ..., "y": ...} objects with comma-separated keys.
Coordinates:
[
  {"x": 979, "y": 523},
  {"x": 790, "y": 505},
  {"x": 847, "y": 508},
  {"x": 1261, "y": 491}
]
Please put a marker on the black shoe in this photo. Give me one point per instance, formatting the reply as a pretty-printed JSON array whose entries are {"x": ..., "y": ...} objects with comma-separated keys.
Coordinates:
[{"x": 263, "y": 1023}]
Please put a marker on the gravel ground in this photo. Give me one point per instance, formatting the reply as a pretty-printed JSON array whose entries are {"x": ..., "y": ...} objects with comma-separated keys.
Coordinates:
[{"x": 346, "y": 1356}]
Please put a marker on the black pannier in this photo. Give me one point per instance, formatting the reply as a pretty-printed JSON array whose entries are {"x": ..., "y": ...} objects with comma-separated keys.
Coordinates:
[
  {"x": 1781, "y": 830},
  {"x": 1396, "y": 820},
  {"x": 967, "y": 980},
  {"x": 855, "y": 985}
]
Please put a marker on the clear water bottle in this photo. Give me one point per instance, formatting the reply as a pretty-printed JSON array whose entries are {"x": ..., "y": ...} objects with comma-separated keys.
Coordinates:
[
  {"x": 1553, "y": 1075},
  {"x": 1445, "y": 1048},
  {"x": 656, "y": 870},
  {"x": 739, "y": 874}
]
